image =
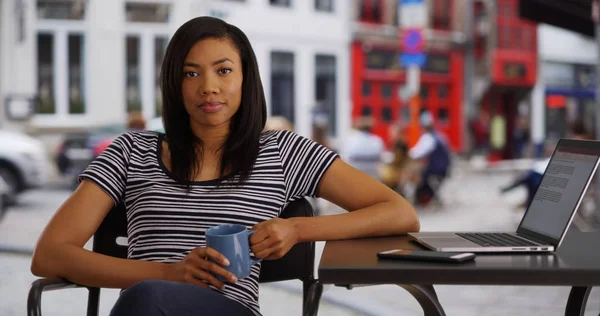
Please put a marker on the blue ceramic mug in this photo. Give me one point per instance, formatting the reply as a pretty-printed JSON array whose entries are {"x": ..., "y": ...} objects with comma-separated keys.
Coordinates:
[{"x": 231, "y": 240}]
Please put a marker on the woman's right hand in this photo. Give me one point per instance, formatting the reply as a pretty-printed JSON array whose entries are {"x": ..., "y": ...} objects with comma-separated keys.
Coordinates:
[{"x": 197, "y": 268}]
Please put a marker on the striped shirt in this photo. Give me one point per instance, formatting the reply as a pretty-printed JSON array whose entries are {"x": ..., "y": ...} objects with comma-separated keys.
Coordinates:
[{"x": 165, "y": 222}]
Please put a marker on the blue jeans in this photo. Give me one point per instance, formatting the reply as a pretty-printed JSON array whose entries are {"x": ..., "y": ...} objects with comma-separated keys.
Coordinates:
[{"x": 164, "y": 298}]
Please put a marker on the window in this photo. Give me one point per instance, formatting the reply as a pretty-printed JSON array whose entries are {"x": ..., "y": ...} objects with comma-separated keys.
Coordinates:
[
  {"x": 281, "y": 3},
  {"x": 147, "y": 12},
  {"x": 76, "y": 88},
  {"x": 366, "y": 110},
  {"x": 324, "y": 5},
  {"x": 405, "y": 114},
  {"x": 325, "y": 87},
  {"x": 366, "y": 89},
  {"x": 424, "y": 92},
  {"x": 160, "y": 47},
  {"x": 382, "y": 59},
  {"x": 386, "y": 114},
  {"x": 441, "y": 14},
  {"x": 61, "y": 9},
  {"x": 437, "y": 64},
  {"x": 61, "y": 89},
  {"x": 386, "y": 91},
  {"x": 144, "y": 53},
  {"x": 370, "y": 11},
  {"x": 45, "y": 66},
  {"x": 282, "y": 84},
  {"x": 443, "y": 115},
  {"x": 132, "y": 81},
  {"x": 442, "y": 91}
]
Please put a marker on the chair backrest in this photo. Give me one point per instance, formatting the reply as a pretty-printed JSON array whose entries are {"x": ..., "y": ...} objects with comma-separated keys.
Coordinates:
[{"x": 298, "y": 263}]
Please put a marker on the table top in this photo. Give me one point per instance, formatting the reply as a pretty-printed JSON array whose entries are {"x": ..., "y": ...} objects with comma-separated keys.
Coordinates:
[{"x": 354, "y": 261}]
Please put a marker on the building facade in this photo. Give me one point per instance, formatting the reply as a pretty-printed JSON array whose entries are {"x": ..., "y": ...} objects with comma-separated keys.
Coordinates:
[
  {"x": 505, "y": 73},
  {"x": 87, "y": 63},
  {"x": 379, "y": 78},
  {"x": 565, "y": 92}
]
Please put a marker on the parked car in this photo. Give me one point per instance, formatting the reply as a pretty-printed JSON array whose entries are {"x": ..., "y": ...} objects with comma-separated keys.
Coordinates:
[
  {"x": 79, "y": 149},
  {"x": 5, "y": 197},
  {"x": 24, "y": 163}
]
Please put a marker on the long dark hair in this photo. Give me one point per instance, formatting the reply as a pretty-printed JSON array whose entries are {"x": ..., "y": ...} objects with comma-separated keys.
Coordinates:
[{"x": 240, "y": 150}]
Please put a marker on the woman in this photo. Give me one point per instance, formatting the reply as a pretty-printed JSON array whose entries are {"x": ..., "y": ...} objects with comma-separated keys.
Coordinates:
[{"x": 214, "y": 165}]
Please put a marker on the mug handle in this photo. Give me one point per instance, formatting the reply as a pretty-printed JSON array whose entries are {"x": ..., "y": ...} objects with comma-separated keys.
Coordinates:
[{"x": 253, "y": 259}]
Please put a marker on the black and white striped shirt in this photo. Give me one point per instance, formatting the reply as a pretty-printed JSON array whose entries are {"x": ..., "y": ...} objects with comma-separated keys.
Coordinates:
[{"x": 165, "y": 222}]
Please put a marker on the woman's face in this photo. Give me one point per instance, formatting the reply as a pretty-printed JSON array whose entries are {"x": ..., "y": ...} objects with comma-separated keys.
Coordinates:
[{"x": 212, "y": 83}]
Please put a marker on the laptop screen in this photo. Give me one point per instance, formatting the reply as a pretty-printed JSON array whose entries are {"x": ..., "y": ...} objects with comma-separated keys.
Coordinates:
[{"x": 562, "y": 185}]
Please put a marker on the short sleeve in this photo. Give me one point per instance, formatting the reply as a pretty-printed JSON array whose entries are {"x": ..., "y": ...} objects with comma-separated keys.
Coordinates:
[
  {"x": 109, "y": 169},
  {"x": 304, "y": 163}
]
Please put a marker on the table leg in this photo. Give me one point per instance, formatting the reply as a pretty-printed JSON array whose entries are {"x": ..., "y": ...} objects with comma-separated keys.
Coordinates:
[
  {"x": 577, "y": 300},
  {"x": 427, "y": 298}
]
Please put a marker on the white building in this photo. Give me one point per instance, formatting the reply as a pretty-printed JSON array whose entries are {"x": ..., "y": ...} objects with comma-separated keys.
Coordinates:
[
  {"x": 565, "y": 90},
  {"x": 89, "y": 61}
]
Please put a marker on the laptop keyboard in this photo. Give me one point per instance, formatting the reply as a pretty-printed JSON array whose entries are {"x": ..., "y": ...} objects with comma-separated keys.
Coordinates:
[{"x": 496, "y": 239}]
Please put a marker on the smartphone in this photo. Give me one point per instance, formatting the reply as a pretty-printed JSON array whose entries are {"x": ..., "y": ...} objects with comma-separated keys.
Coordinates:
[{"x": 426, "y": 255}]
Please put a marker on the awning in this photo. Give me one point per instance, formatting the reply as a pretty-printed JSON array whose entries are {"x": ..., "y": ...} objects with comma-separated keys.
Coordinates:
[{"x": 573, "y": 15}]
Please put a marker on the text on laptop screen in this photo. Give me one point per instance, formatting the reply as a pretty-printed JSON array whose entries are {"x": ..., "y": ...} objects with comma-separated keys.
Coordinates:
[{"x": 565, "y": 179}]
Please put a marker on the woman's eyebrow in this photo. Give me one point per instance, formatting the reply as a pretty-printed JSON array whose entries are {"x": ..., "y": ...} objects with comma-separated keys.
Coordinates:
[
  {"x": 216, "y": 62},
  {"x": 222, "y": 60}
]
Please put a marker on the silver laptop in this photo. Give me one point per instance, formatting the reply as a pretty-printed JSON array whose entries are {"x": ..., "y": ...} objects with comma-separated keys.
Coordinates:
[{"x": 544, "y": 225}]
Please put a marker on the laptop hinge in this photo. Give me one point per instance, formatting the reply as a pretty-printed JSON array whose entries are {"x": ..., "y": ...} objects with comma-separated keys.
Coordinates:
[{"x": 539, "y": 241}]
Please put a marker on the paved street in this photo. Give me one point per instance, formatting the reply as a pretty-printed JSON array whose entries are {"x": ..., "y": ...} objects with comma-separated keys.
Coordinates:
[{"x": 470, "y": 201}]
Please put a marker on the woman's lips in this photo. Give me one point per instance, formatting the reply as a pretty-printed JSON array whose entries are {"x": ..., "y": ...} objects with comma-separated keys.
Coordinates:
[{"x": 211, "y": 107}]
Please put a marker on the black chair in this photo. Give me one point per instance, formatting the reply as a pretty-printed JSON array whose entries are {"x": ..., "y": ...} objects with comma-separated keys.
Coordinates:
[{"x": 298, "y": 263}]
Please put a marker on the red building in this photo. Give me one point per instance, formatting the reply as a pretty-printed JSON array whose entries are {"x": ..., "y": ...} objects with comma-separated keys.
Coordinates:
[
  {"x": 506, "y": 67},
  {"x": 378, "y": 76},
  {"x": 507, "y": 54}
]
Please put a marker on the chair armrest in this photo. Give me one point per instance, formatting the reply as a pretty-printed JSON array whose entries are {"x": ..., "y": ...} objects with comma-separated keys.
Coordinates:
[
  {"x": 34, "y": 300},
  {"x": 298, "y": 263}
]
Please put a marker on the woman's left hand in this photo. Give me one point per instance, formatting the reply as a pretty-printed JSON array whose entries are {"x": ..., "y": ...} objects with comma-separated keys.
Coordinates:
[{"x": 273, "y": 238}]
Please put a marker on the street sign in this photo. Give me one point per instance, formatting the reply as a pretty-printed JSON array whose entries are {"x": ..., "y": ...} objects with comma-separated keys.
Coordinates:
[
  {"x": 403, "y": 2},
  {"x": 413, "y": 59},
  {"x": 412, "y": 41}
]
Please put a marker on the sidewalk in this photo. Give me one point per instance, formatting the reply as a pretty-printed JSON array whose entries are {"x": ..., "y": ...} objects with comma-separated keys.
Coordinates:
[{"x": 471, "y": 201}]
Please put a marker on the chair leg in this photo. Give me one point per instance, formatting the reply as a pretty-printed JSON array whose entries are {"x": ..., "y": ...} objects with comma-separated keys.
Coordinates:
[
  {"x": 312, "y": 290},
  {"x": 93, "y": 301}
]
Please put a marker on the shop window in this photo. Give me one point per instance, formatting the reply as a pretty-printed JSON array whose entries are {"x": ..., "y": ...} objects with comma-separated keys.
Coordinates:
[
  {"x": 45, "y": 64},
  {"x": 386, "y": 114},
  {"x": 366, "y": 89},
  {"x": 383, "y": 59},
  {"x": 437, "y": 64},
  {"x": 282, "y": 85},
  {"x": 61, "y": 10},
  {"x": 147, "y": 12}
]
